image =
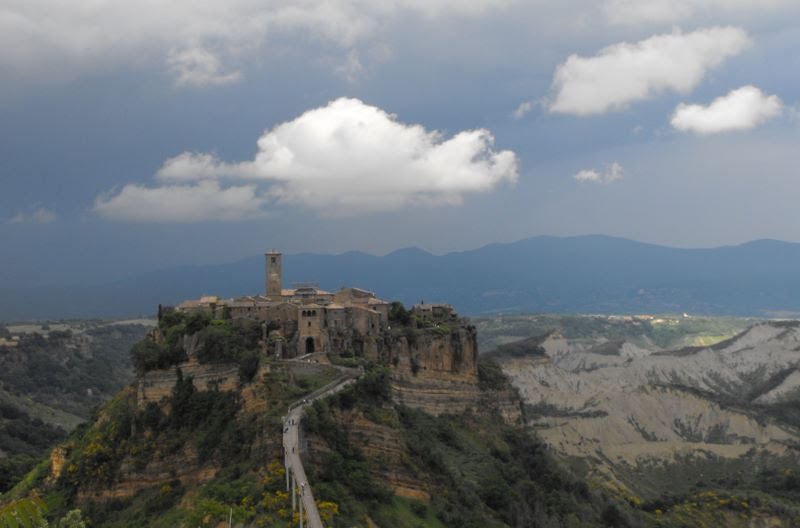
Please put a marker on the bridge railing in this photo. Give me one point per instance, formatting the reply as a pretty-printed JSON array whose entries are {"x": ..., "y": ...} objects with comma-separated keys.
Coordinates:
[{"x": 347, "y": 374}]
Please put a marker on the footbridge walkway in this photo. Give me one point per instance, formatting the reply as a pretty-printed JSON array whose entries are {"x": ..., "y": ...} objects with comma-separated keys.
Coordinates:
[{"x": 296, "y": 481}]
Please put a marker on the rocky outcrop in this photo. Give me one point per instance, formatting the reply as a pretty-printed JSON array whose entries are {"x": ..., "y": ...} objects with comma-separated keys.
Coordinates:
[
  {"x": 434, "y": 354},
  {"x": 183, "y": 466},
  {"x": 432, "y": 369},
  {"x": 157, "y": 384},
  {"x": 435, "y": 370},
  {"x": 58, "y": 459},
  {"x": 436, "y": 398}
]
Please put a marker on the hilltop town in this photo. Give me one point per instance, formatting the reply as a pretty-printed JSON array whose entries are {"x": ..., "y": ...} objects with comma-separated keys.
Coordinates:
[{"x": 306, "y": 319}]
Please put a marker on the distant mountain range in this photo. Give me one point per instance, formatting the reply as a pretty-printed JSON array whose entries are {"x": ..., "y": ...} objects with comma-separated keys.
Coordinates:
[{"x": 585, "y": 274}]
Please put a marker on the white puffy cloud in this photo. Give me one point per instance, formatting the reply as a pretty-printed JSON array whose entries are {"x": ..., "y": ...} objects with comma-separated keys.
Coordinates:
[
  {"x": 39, "y": 215},
  {"x": 613, "y": 172},
  {"x": 624, "y": 73},
  {"x": 195, "y": 202},
  {"x": 741, "y": 109},
  {"x": 668, "y": 11},
  {"x": 202, "y": 42},
  {"x": 346, "y": 158}
]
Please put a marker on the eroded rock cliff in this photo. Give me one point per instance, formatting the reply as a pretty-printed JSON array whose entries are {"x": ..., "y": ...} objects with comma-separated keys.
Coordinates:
[{"x": 623, "y": 408}]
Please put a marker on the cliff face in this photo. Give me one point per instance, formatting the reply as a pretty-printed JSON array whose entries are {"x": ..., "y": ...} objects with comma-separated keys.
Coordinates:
[
  {"x": 156, "y": 385},
  {"x": 430, "y": 370},
  {"x": 434, "y": 370},
  {"x": 439, "y": 374}
]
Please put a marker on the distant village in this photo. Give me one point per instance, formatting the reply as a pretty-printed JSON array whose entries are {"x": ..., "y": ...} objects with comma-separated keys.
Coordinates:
[{"x": 308, "y": 318}]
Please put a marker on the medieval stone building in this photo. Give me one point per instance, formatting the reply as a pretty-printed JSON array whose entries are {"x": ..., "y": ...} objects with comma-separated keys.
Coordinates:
[{"x": 303, "y": 319}]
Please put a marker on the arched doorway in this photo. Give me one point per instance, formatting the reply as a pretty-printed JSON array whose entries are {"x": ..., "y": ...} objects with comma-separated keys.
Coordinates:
[{"x": 309, "y": 345}]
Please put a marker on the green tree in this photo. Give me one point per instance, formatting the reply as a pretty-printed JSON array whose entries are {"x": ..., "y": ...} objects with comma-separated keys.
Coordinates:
[
  {"x": 23, "y": 513},
  {"x": 73, "y": 519},
  {"x": 398, "y": 314}
]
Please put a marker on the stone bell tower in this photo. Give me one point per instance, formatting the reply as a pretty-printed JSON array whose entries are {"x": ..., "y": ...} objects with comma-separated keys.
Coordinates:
[{"x": 272, "y": 271}]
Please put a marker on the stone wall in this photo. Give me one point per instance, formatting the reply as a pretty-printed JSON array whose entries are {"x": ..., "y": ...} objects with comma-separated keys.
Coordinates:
[{"x": 157, "y": 384}]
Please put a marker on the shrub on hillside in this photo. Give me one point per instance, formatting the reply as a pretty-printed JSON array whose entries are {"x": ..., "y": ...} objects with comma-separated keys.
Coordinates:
[
  {"x": 490, "y": 376},
  {"x": 219, "y": 344},
  {"x": 148, "y": 355},
  {"x": 399, "y": 315},
  {"x": 248, "y": 366}
]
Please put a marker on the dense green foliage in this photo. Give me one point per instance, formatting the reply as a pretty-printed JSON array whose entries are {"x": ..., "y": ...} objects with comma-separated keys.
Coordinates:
[
  {"x": 686, "y": 487},
  {"x": 19, "y": 433},
  {"x": 198, "y": 429},
  {"x": 13, "y": 468},
  {"x": 52, "y": 380},
  {"x": 148, "y": 355},
  {"x": 482, "y": 472},
  {"x": 490, "y": 474},
  {"x": 360, "y": 492},
  {"x": 23, "y": 513},
  {"x": 26, "y": 439},
  {"x": 215, "y": 341},
  {"x": 72, "y": 371},
  {"x": 73, "y": 519},
  {"x": 203, "y": 421},
  {"x": 531, "y": 346},
  {"x": 490, "y": 376},
  {"x": 399, "y": 315}
]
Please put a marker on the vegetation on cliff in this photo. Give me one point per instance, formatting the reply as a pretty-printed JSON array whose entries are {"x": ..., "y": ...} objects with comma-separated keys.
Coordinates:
[
  {"x": 212, "y": 450},
  {"x": 196, "y": 454},
  {"x": 215, "y": 341},
  {"x": 220, "y": 456},
  {"x": 50, "y": 381},
  {"x": 479, "y": 470}
]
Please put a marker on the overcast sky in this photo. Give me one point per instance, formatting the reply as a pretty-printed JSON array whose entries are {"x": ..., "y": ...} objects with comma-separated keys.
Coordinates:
[{"x": 140, "y": 135}]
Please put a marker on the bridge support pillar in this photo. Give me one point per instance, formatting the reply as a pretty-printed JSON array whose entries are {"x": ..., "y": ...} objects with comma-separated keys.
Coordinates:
[
  {"x": 301, "y": 512},
  {"x": 288, "y": 469}
]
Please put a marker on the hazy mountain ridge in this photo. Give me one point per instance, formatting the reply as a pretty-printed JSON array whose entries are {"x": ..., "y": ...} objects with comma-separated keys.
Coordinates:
[{"x": 587, "y": 274}]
